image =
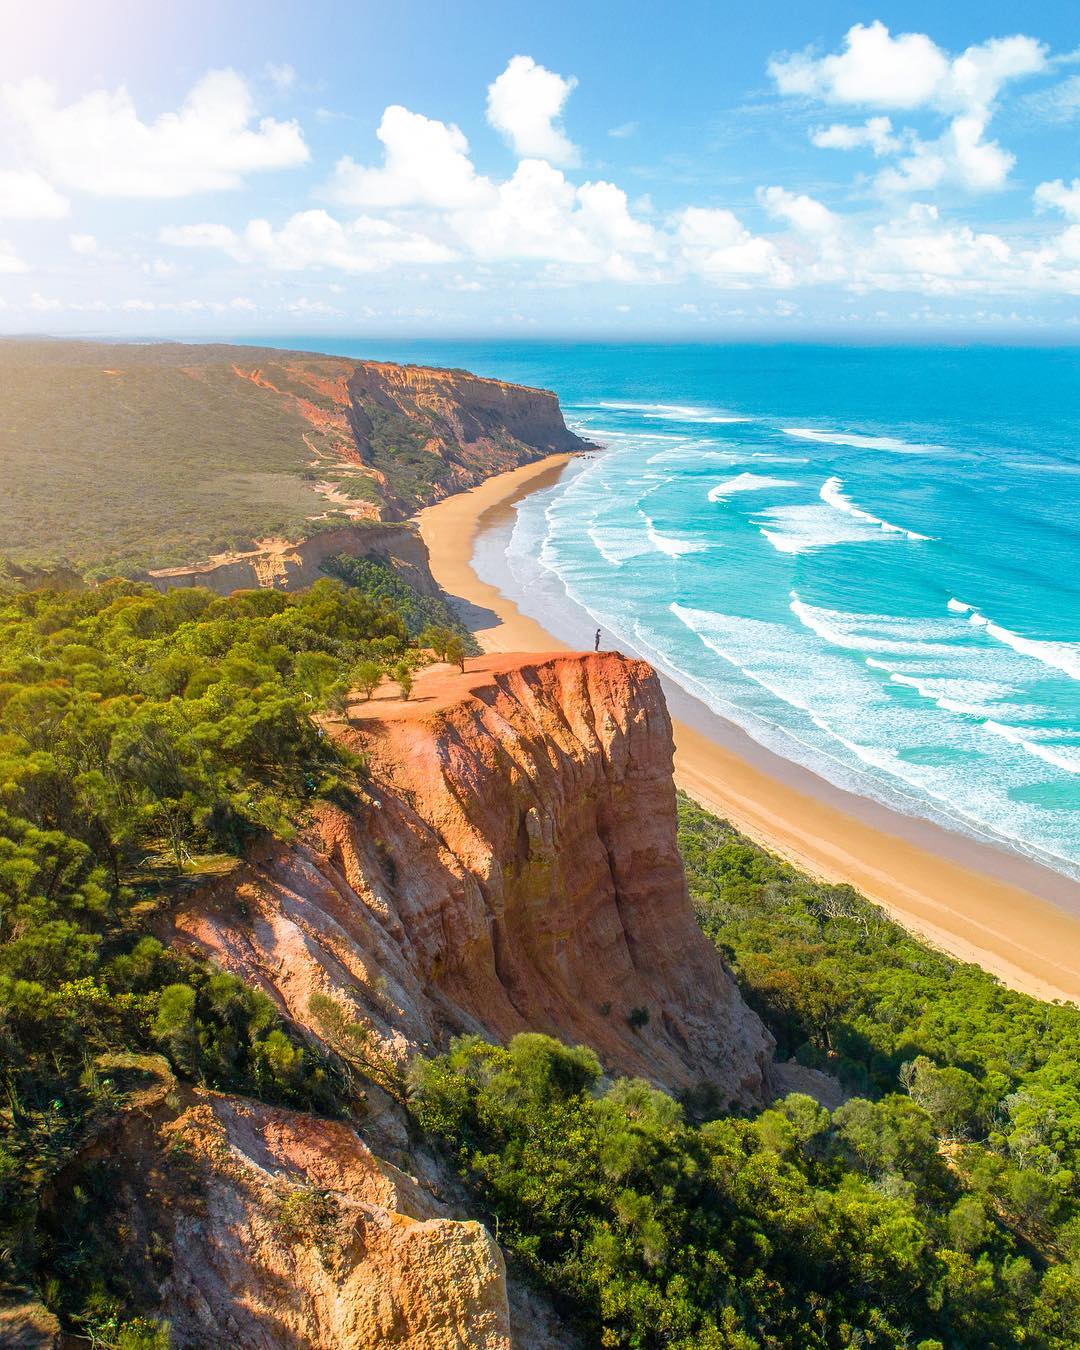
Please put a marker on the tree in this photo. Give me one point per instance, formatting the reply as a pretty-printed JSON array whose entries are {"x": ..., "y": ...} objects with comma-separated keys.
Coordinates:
[
  {"x": 949, "y": 1096},
  {"x": 455, "y": 653},
  {"x": 366, "y": 676},
  {"x": 402, "y": 673},
  {"x": 439, "y": 639}
]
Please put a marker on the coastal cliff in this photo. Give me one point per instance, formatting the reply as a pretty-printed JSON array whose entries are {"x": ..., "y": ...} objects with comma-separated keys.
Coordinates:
[
  {"x": 223, "y": 465},
  {"x": 514, "y": 867}
]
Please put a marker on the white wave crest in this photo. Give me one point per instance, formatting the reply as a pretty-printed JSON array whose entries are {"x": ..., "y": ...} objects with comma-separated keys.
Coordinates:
[
  {"x": 958, "y": 607},
  {"x": 1063, "y": 656},
  {"x": 674, "y": 412},
  {"x": 860, "y": 442},
  {"x": 616, "y": 544},
  {"x": 747, "y": 482},
  {"x": 797, "y": 529},
  {"x": 860, "y": 632},
  {"x": 1049, "y": 754},
  {"x": 675, "y": 546},
  {"x": 832, "y": 493}
]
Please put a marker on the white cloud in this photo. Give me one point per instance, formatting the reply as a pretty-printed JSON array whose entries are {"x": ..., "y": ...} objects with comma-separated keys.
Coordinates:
[
  {"x": 876, "y": 133},
  {"x": 311, "y": 308},
  {"x": 959, "y": 155},
  {"x": 908, "y": 71},
  {"x": 716, "y": 245},
  {"x": 1059, "y": 103},
  {"x": 314, "y": 239},
  {"x": 539, "y": 214},
  {"x": 918, "y": 252},
  {"x": 624, "y": 130},
  {"x": 1056, "y": 194},
  {"x": 99, "y": 145},
  {"x": 425, "y": 163},
  {"x": 874, "y": 69},
  {"x": 525, "y": 105},
  {"x": 911, "y": 72},
  {"x": 26, "y": 195},
  {"x": 800, "y": 211},
  {"x": 9, "y": 260},
  {"x": 85, "y": 245}
]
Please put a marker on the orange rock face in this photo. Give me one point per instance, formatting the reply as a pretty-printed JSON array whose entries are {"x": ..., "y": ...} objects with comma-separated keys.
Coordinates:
[
  {"x": 284, "y": 1230},
  {"x": 515, "y": 868}
]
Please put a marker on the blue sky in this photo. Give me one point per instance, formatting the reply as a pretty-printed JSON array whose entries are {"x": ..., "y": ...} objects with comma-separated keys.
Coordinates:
[{"x": 570, "y": 169}]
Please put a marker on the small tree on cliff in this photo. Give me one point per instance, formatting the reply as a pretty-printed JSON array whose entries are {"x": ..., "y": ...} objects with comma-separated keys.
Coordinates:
[
  {"x": 366, "y": 677},
  {"x": 455, "y": 653},
  {"x": 439, "y": 639},
  {"x": 402, "y": 673}
]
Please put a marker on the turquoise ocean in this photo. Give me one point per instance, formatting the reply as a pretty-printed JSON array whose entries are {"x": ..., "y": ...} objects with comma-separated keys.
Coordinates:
[{"x": 868, "y": 558}]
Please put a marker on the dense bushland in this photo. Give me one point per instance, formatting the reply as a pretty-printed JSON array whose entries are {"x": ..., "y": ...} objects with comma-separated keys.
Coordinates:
[
  {"x": 935, "y": 1208},
  {"x": 146, "y": 739}
]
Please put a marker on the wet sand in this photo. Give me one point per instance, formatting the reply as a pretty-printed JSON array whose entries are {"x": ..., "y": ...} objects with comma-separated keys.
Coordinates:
[{"x": 976, "y": 901}]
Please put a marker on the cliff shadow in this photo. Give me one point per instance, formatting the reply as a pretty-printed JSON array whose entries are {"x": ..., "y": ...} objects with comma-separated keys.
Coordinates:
[{"x": 474, "y": 617}]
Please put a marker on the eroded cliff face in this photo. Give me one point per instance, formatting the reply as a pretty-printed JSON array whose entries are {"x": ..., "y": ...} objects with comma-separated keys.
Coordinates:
[
  {"x": 256, "y": 1227},
  {"x": 514, "y": 868},
  {"x": 379, "y": 441},
  {"x": 474, "y": 426}
]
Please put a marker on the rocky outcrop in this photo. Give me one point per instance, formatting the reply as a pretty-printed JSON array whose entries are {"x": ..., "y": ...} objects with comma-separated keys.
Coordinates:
[
  {"x": 515, "y": 867},
  {"x": 250, "y": 1226}
]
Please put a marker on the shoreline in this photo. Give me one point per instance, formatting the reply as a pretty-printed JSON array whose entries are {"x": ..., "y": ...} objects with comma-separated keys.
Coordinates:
[{"x": 978, "y": 902}]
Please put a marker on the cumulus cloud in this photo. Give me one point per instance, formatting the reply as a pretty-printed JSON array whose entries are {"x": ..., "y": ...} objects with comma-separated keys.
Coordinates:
[
  {"x": 525, "y": 106},
  {"x": 910, "y": 72},
  {"x": 85, "y": 245},
  {"x": 314, "y": 239},
  {"x": 800, "y": 211},
  {"x": 1065, "y": 198},
  {"x": 717, "y": 245},
  {"x": 99, "y": 144},
  {"x": 425, "y": 163},
  {"x": 876, "y": 134},
  {"x": 28, "y": 196},
  {"x": 960, "y": 155},
  {"x": 538, "y": 213}
]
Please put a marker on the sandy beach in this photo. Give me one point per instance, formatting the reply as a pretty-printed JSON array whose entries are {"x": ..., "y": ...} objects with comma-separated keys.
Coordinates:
[{"x": 980, "y": 903}]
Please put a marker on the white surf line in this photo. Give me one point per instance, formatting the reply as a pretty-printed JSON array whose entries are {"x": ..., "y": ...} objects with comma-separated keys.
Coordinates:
[{"x": 832, "y": 494}]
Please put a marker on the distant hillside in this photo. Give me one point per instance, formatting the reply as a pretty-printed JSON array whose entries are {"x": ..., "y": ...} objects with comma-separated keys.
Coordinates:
[{"x": 122, "y": 457}]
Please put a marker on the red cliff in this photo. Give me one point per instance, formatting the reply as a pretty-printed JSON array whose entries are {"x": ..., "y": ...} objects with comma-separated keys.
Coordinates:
[{"x": 514, "y": 867}]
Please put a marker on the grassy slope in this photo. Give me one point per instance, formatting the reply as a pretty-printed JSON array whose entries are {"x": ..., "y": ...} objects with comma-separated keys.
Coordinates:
[{"x": 154, "y": 467}]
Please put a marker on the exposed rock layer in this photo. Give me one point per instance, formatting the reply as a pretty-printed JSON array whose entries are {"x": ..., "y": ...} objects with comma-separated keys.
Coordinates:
[
  {"x": 256, "y": 1227},
  {"x": 516, "y": 868}
]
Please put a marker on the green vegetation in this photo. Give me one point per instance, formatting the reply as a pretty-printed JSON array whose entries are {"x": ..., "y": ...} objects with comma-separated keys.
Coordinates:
[
  {"x": 146, "y": 739},
  {"x": 421, "y": 613},
  {"x": 939, "y": 1209},
  {"x": 843, "y": 988},
  {"x": 171, "y": 459}
]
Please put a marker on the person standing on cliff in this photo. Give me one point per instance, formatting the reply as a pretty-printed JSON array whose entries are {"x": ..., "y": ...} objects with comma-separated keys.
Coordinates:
[{"x": 596, "y": 644}]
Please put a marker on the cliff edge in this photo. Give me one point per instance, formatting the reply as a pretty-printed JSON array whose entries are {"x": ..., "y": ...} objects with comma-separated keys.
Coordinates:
[{"x": 514, "y": 867}]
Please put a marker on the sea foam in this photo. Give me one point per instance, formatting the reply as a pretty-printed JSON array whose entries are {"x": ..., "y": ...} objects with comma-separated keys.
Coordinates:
[
  {"x": 832, "y": 493},
  {"x": 747, "y": 482},
  {"x": 860, "y": 442},
  {"x": 1063, "y": 656}
]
